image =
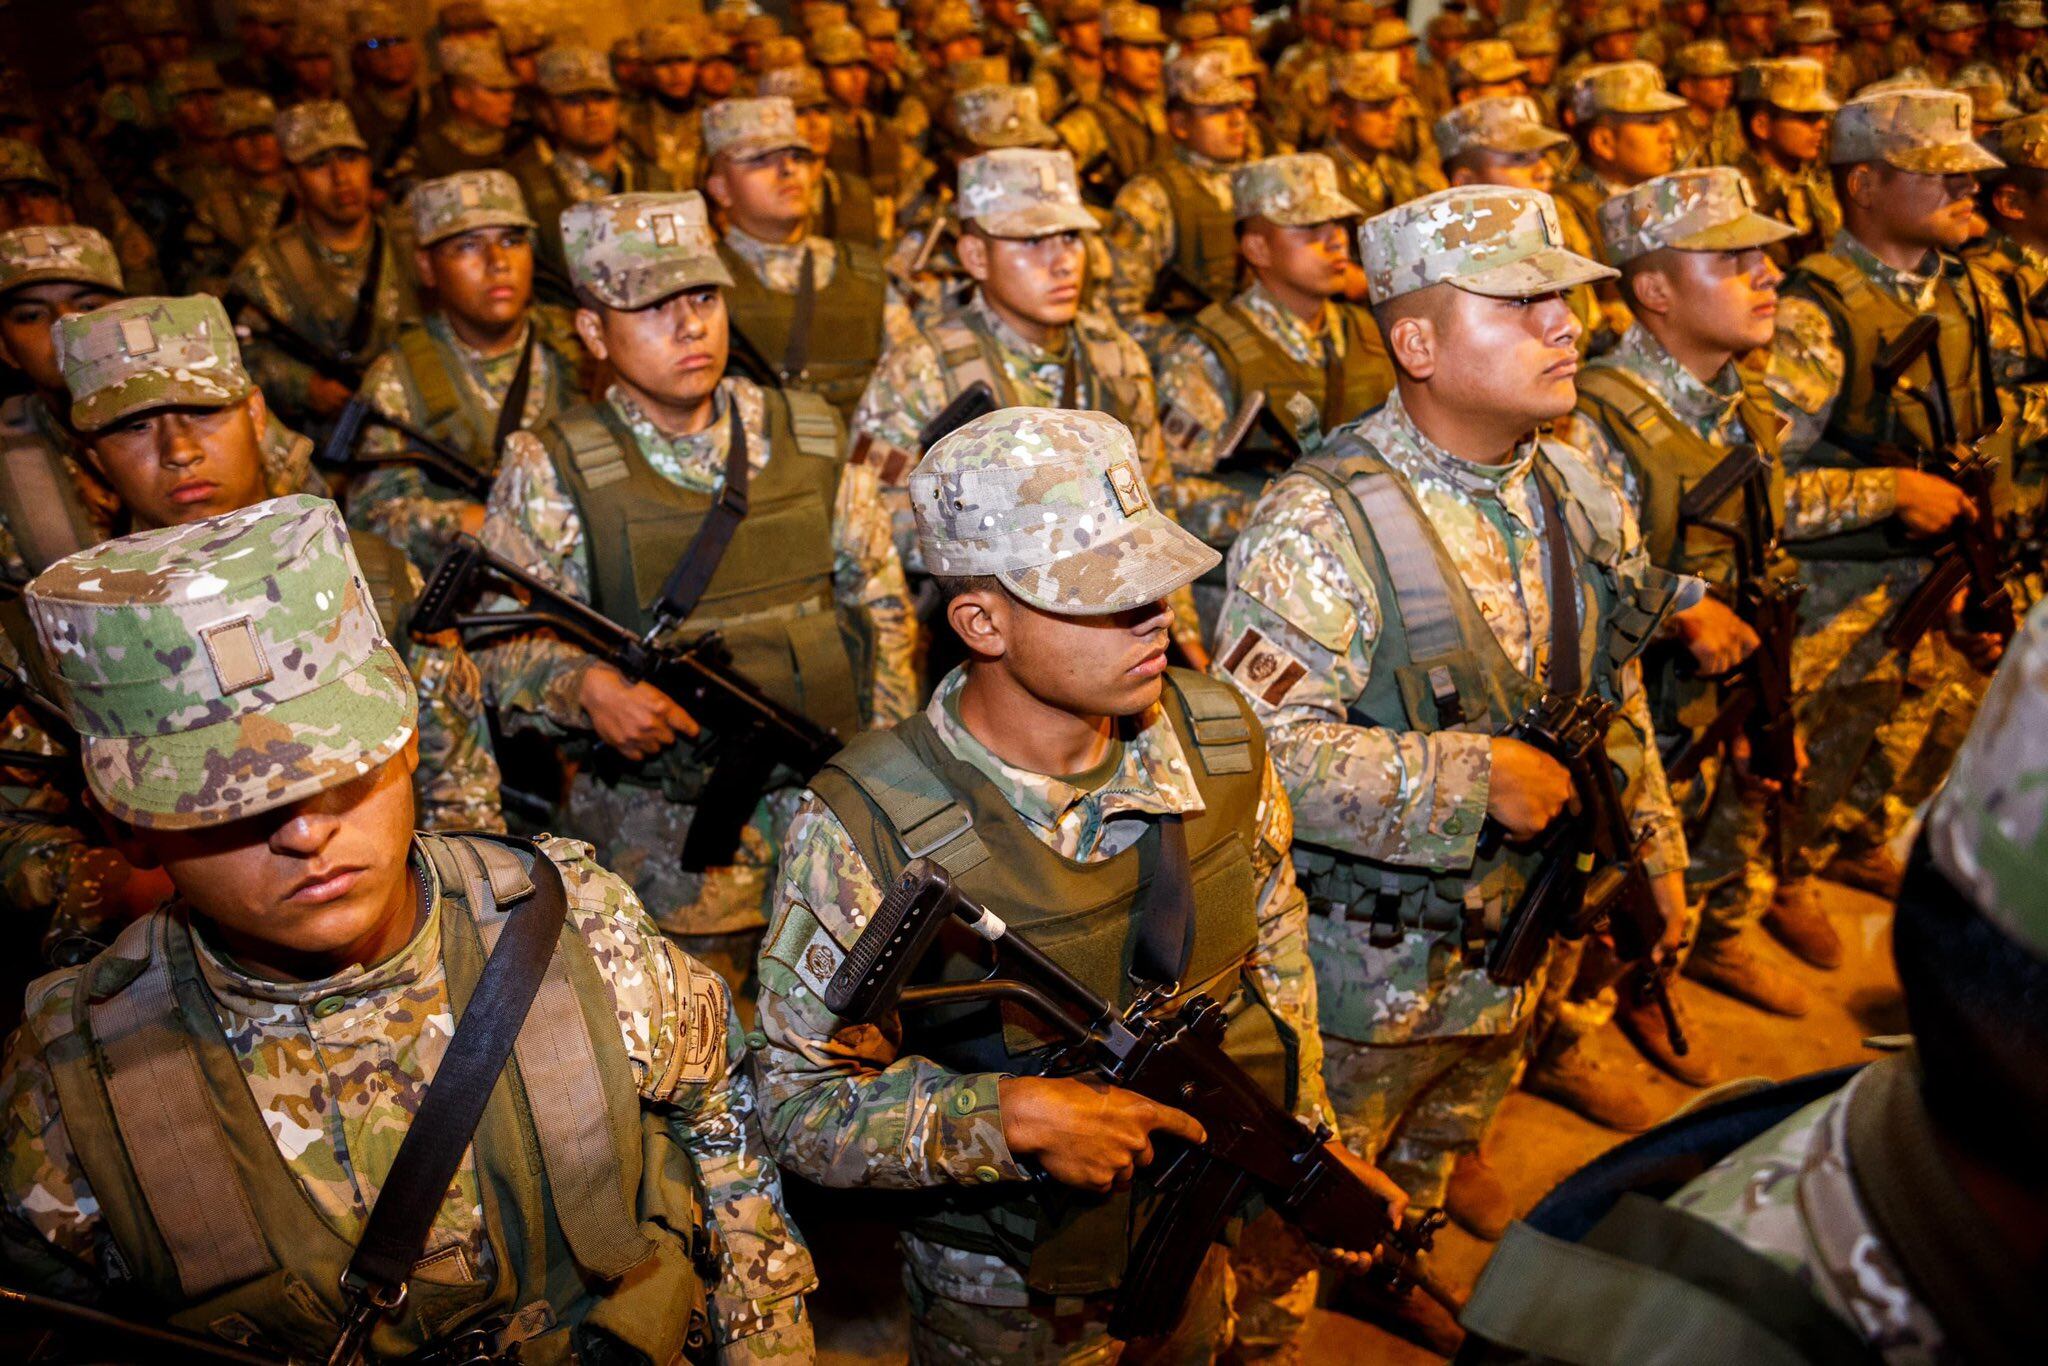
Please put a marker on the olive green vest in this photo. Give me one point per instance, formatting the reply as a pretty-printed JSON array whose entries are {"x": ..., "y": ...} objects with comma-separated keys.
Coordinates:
[
  {"x": 456, "y": 414},
  {"x": 217, "y": 1234},
  {"x": 1357, "y": 382},
  {"x": 850, "y": 216},
  {"x": 320, "y": 308},
  {"x": 533, "y": 166},
  {"x": 387, "y": 574},
  {"x": 772, "y": 598},
  {"x": 1204, "y": 232},
  {"x": 846, "y": 322},
  {"x": 901, "y": 792},
  {"x": 1437, "y": 666},
  {"x": 39, "y": 499},
  {"x": 1103, "y": 381},
  {"x": 870, "y": 148},
  {"x": 1865, "y": 317},
  {"x": 1131, "y": 143}
]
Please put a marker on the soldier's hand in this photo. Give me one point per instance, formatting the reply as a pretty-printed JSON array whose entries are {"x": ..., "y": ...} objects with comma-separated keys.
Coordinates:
[
  {"x": 1717, "y": 638},
  {"x": 1929, "y": 504},
  {"x": 328, "y": 396},
  {"x": 638, "y": 720},
  {"x": 1085, "y": 1133},
  {"x": 472, "y": 519},
  {"x": 1528, "y": 788},
  {"x": 1381, "y": 1185}
]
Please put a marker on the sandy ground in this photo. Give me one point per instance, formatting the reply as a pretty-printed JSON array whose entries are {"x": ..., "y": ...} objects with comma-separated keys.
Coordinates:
[{"x": 860, "y": 1310}]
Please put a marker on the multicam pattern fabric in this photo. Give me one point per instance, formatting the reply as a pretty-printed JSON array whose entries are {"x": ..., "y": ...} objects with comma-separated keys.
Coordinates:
[
  {"x": 1294, "y": 191},
  {"x": 572, "y": 70},
  {"x": 139, "y": 354},
  {"x": 1804, "y": 198},
  {"x": 1143, "y": 238},
  {"x": 21, "y": 161},
  {"x": 992, "y": 116},
  {"x": 464, "y": 202},
  {"x": 1488, "y": 239},
  {"x": 1497, "y": 123},
  {"x": 1706, "y": 210},
  {"x": 71, "y": 254},
  {"x": 1205, "y": 77},
  {"x": 1621, "y": 88},
  {"x": 1022, "y": 192},
  {"x": 1798, "y": 85},
  {"x": 1927, "y": 132},
  {"x": 747, "y": 128},
  {"x": 633, "y": 250},
  {"x": 304, "y": 131},
  {"x": 337, "y": 1067}
]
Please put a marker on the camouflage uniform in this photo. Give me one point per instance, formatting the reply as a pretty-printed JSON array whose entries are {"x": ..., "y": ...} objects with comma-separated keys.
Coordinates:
[
  {"x": 389, "y": 121},
  {"x": 1805, "y": 197},
  {"x": 1608, "y": 89},
  {"x": 232, "y": 212},
  {"x": 315, "y": 290},
  {"x": 332, "y": 1071},
  {"x": 1117, "y": 133},
  {"x": 1421, "y": 1046},
  {"x": 669, "y": 138},
  {"x": 850, "y": 1104},
  {"x": 534, "y": 520},
  {"x": 452, "y": 142},
  {"x": 92, "y": 198},
  {"x": 1376, "y": 180},
  {"x": 2021, "y": 273},
  {"x": 1706, "y": 139}
]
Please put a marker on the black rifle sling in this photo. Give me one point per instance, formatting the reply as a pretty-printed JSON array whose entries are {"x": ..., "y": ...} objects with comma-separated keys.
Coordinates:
[
  {"x": 365, "y": 320},
  {"x": 1166, "y": 932},
  {"x": 513, "y": 410},
  {"x": 692, "y": 574},
  {"x": 431, "y": 1151},
  {"x": 1566, "y": 677},
  {"x": 796, "y": 352}
]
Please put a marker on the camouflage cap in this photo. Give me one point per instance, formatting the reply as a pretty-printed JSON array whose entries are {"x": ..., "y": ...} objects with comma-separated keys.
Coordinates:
[
  {"x": 1927, "y": 132},
  {"x": 246, "y": 111},
  {"x": 992, "y": 116},
  {"x": 1706, "y": 210},
  {"x": 1809, "y": 25},
  {"x": 477, "y": 60},
  {"x": 1355, "y": 14},
  {"x": 1243, "y": 61},
  {"x": 1954, "y": 18},
  {"x": 67, "y": 255},
  {"x": 225, "y": 668},
  {"x": 1448, "y": 26},
  {"x": 1205, "y": 77},
  {"x": 817, "y": 15},
  {"x": 952, "y": 20},
  {"x": 1488, "y": 61},
  {"x": 1366, "y": 77},
  {"x": 1621, "y": 88},
  {"x": 1297, "y": 191},
  {"x": 1075, "y": 11},
  {"x": 631, "y": 251},
  {"x": 1193, "y": 28},
  {"x": 523, "y": 37},
  {"x": 142, "y": 354},
  {"x": 1495, "y": 240},
  {"x": 21, "y": 161},
  {"x": 1052, "y": 503},
  {"x": 310, "y": 40},
  {"x": 670, "y": 42},
  {"x": 730, "y": 16},
  {"x": 2019, "y": 14},
  {"x": 781, "y": 51},
  {"x": 153, "y": 18},
  {"x": 969, "y": 73},
  {"x": 1987, "y": 829},
  {"x": 1798, "y": 85},
  {"x": 1510, "y": 124},
  {"x": 376, "y": 19},
  {"x": 1023, "y": 192},
  {"x": 459, "y": 15},
  {"x": 1703, "y": 59},
  {"x": 1990, "y": 100},
  {"x": 1611, "y": 19},
  {"x": 568, "y": 70},
  {"x": 751, "y": 128},
  {"x": 803, "y": 86},
  {"x": 1133, "y": 26},
  {"x": 308, "y": 130},
  {"x": 1389, "y": 34},
  {"x": 191, "y": 76},
  {"x": 1532, "y": 38},
  {"x": 464, "y": 202},
  {"x": 2023, "y": 141},
  {"x": 838, "y": 45},
  {"x": 1866, "y": 16}
]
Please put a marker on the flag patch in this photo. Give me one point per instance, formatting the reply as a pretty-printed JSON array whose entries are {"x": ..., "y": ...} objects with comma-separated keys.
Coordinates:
[{"x": 1264, "y": 668}]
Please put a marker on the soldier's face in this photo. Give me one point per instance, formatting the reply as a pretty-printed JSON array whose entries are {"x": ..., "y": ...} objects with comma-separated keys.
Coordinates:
[
  {"x": 768, "y": 196},
  {"x": 27, "y": 316},
  {"x": 1138, "y": 69},
  {"x": 1084, "y": 666},
  {"x": 672, "y": 353},
  {"x": 1348, "y": 37},
  {"x": 335, "y": 186},
  {"x": 1614, "y": 47},
  {"x": 2017, "y": 40},
  {"x": 177, "y": 465},
  {"x": 392, "y": 61},
  {"x": 1309, "y": 260},
  {"x": 585, "y": 124},
  {"x": 485, "y": 107},
  {"x": 1725, "y": 300},
  {"x": 32, "y": 204},
  {"x": 674, "y": 80},
  {"x": 1236, "y": 21},
  {"x": 1523, "y": 170},
  {"x": 1960, "y": 43},
  {"x": 815, "y": 123},
  {"x": 848, "y": 84},
  {"x": 1216, "y": 131},
  {"x": 1514, "y": 361},
  {"x": 1636, "y": 149},
  {"x": 1542, "y": 66},
  {"x": 963, "y": 49},
  {"x": 1879, "y": 33},
  {"x": 313, "y": 75},
  {"x": 197, "y": 115},
  {"x": 1795, "y": 137},
  {"x": 1708, "y": 94},
  {"x": 261, "y": 36},
  {"x": 159, "y": 48},
  {"x": 1037, "y": 279},
  {"x": 1517, "y": 86},
  {"x": 483, "y": 278},
  {"x": 1924, "y": 210},
  {"x": 310, "y": 888},
  {"x": 717, "y": 78},
  {"x": 1084, "y": 38},
  {"x": 1693, "y": 14},
  {"x": 256, "y": 152}
]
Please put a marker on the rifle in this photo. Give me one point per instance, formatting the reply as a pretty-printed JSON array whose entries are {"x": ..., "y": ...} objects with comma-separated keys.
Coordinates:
[
  {"x": 1587, "y": 874},
  {"x": 1170, "y": 1053},
  {"x": 336, "y": 365},
  {"x": 749, "y": 733},
  {"x": 1972, "y": 562},
  {"x": 435, "y": 457},
  {"x": 976, "y": 400},
  {"x": 111, "y": 1338},
  {"x": 1175, "y": 295}
]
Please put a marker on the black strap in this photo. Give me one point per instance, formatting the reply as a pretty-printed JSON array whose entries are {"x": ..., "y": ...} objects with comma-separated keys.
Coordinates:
[
  {"x": 796, "y": 353},
  {"x": 693, "y": 572},
  {"x": 431, "y": 1151},
  {"x": 513, "y": 411},
  {"x": 365, "y": 320},
  {"x": 1166, "y": 932},
  {"x": 1333, "y": 379},
  {"x": 1566, "y": 677},
  {"x": 1070, "y": 374}
]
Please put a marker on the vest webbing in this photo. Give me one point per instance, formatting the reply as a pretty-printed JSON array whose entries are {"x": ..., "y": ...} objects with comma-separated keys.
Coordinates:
[
  {"x": 967, "y": 356},
  {"x": 850, "y": 210},
  {"x": 40, "y": 503},
  {"x": 846, "y": 321},
  {"x": 1131, "y": 143},
  {"x": 1204, "y": 232},
  {"x": 312, "y": 296},
  {"x": 161, "y": 1117},
  {"x": 1256, "y": 363},
  {"x": 444, "y": 412}
]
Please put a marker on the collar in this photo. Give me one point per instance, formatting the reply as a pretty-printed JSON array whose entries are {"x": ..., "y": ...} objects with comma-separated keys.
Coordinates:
[
  {"x": 1914, "y": 287},
  {"x": 477, "y": 361},
  {"x": 1209, "y": 167},
  {"x": 1029, "y": 352},
  {"x": 1640, "y": 353},
  {"x": 754, "y": 251},
  {"x": 1295, "y": 336},
  {"x": 1394, "y": 432},
  {"x": 702, "y": 452}
]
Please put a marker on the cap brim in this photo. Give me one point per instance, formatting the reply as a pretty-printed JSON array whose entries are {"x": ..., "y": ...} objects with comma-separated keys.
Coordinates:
[
  {"x": 1659, "y": 102},
  {"x": 667, "y": 277},
  {"x": 143, "y": 394},
  {"x": 745, "y": 148},
  {"x": 1819, "y": 103},
  {"x": 1150, "y": 558},
  {"x": 1030, "y": 135},
  {"x": 261, "y": 761},
  {"x": 1950, "y": 158},
  {"x": 1041, "y": 220},
  {"x": 1532, "y": 137},
  {"x": 62, "y": 275},
  {"x": 1540, "y": 272},
  {"x": 1750, "y": 230},
  {"x": 351, "y": 144},
  {"x": 507, "y": 219},
  {"x": 1325, "y": 208}
]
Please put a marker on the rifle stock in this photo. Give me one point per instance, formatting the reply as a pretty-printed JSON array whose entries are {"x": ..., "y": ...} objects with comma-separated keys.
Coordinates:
[
  {"x": 976, "y": 400},
  {"x": 436, "y": 457},
  {"x": 296, "y": 344}
]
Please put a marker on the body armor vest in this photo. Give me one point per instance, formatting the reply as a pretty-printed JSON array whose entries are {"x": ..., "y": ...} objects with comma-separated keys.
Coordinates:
[
  {"x": 1102, "y": 382},
  {"x": 39, "y": 498},
  {"x": 218, "y": 1234},
  {"x": 1204, "y": 232},
  {"x": 868, "y": 147},
  {"x": 1131, "y": 143},
  {"x": 849, "y": 210},
  {"x": 845, "y": 323},
  {"x": 890, "y": 789},
  {"x": 323, "y": 310},
  {"x": 1348, "y": 387}
]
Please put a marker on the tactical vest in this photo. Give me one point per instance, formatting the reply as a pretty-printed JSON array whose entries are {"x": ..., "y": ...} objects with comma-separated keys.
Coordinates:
[
  {"x": 850, "y": 216},
  {"x": 39, "y": 500},
  {"x": 846, "y": 322},
  {"x": 772, "y": 598},
  {"x": 387, "y": 574},
  {"x": 901, "y": 792},
  {"x": 1358, "y": 382},
  {"x": 870, "y": 148},
  {"x": 1132, "y": 145},
  {"x": 1204, "y": 232},
  {"x": 968, "y": 355},
  {"x": 1437, "y": 666},
  {"x": 216, "y": 1232},
  {"x": 1865, "y": 317},
  {"x": 319, "y": 307}
]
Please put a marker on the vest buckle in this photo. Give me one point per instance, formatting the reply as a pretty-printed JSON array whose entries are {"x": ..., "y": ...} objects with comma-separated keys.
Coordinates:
[{"x": 1386, "y": 930}]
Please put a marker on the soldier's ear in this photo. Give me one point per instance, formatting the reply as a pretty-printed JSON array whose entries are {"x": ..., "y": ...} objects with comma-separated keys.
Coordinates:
[
  {"x": 1413, "y": 342},
  {"x": 716, "y": 185},
  {"x": 1600, "y": 141},
  {"x": 423, "y": 265},
  {"x": 2006, "y": 202},
  {"x": 258, "y": 408},
  {"x": 973, "y": 255},
  {"x": 1862, "y": 184},
  {"x": 981, "y": 618},
  {"x": 1256, "y": 246},
  {"x": 590, "y": 331}
]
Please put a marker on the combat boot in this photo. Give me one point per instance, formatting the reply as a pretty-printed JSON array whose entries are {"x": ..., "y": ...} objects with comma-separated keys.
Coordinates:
[
  {"x": 1477, "y": 1200},
  {"x": 1733, "y": 967},
  {"x": 1581, "y": 1078},
  {"x": 1801, "y": 925},
  {"x": 1644, "y": 1024},
  {"x": 1874, "y": 871}
]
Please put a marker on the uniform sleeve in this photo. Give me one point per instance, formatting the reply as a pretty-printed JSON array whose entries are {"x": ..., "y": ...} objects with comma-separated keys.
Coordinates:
[
  {"x": 868, "y": 577},
  {"x": 905, "y": 392},
  {"x": 839, "y": 1105},
  {"x": 457, "y": 781},
  {"x": 1279, "y": 963},
  {"x": 1803, "y": 369},
  {"x": 1820, "y": 501},
  {"x": 393, "y": 500},
  {"x": 1141, "y": 242},
  {"x": 286, "y": 382},
  {"x": 1653, "y": 815},
  {"x": 51, "y": 1232},
  {"x": 1296, "y": 636}
]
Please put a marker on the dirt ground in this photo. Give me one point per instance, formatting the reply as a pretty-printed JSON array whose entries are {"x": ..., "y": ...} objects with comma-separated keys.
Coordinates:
[{"x": 859, "y": 1308}]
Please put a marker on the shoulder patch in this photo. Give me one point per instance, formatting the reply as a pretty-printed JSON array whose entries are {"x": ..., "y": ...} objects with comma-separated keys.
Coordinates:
[
  {"x": 806, "y": 948},
  {"x": 1262, "y": 667},
  {"x": 700, "y": 1036}
]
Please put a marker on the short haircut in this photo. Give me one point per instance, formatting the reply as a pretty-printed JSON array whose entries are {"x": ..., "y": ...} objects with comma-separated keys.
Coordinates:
[
  {"x": 2030, "y": 181},
  {"x": 955, "y": 586}
]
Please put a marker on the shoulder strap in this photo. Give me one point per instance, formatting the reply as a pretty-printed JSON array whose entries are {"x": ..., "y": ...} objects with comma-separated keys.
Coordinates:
[
  {"x": 923, "y": 814},
  {"x": 962, "y": 359},
  {"x": 814, "y": 423},
  {"x": 592, "y": 451},
  {"x": 1216, "y": 717},
  {"x": 296, "y": 267},
  {"x": 430, "y": 378},
  {"x": 693, "y": 573},
  {"x": 1379, "y": 510},
  {"x": 40, "y": 509}
]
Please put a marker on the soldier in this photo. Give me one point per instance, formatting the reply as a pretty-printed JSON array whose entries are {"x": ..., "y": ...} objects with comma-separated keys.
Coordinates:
[
  {"x": 1876, "y": 47},
  {"x": 262, "y": 26},
  {"x": 627, "y": 69},
  {"x": 863, "y": 143},
  {"x": 1990, "y": 102},
  {"x": 1622, "y": 118},
  {"x": 325, "y": 295},
  {"x": 1488, "y": 66},
  {"x": 192, "y": 91},
  {"x": 1287, "y": 334},
  {"x": 2015, "y": 42},
  {"x": 1072, "y": 71},
  {"x": 843, "y": 205},
  {"x": 1683, "y": 22},
  {"x": 2014, "y": 252},
  {"x": 1066, "y": 637},
  {"x": 718, "y": 72},
  {"x": 1444, "y": 36},
  {"x": 309, "y": 62},
  {"x": 1785, "y": 108},
  {"x": 279, "y": 803},
  {"x": 1951, "y": 34},
  {"x": 1747, "y": 27},
  {"x": 241, "y": 208},
  {"x": 1423, "y": 544},
  {"x": 173, "y": 426},
  {"x": 480, "y": 96},
  {"x": 579, "y": 156},
  {"x": 1366, "y": 104},
  {"x": 451, "y": 375},
  {"x": 388, "y": 103},
  {"x": 1809, "y": 34},
  {"x": 665, "y": 128},
  {"x": 603, "y": 501},
  {"x": 1710, "y": 133},
  {"x": 1015, "y": 34},
  {"x": 814, "y": 310},
  {"x": 1302, "y": 104},
  {"x": 1121, "y": 130},
  {"x": 1172, "y": 241},
  {"x": 32, "y": 194},
  {"x": 1905, "y": 168}
]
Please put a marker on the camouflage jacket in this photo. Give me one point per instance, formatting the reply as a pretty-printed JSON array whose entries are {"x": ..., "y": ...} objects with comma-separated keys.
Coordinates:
[
  {"x": 1379, "y": 184},
  {"x": 338, "y": 1087},
  {"x": 1142, "y": 241},
  {"x": 414, "y": 512},
  {"x": 671, "y": 139},
  {"x": 1804, "y": 198},
  {"x": 839, "y": 1104},
  {"x": 780, "y": 265}
]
